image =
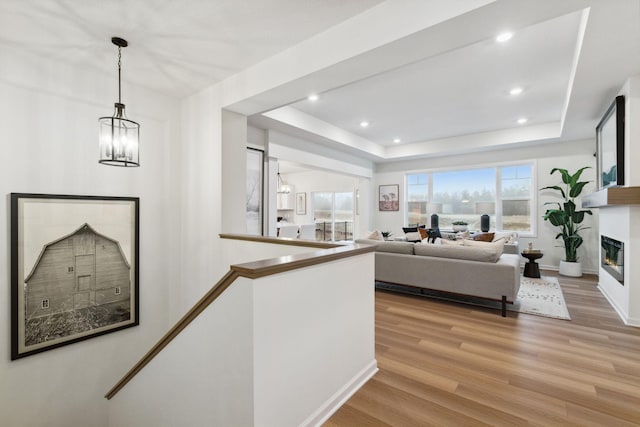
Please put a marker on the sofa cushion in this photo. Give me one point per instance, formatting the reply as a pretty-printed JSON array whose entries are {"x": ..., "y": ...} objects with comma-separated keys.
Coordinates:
[
  {"x": 389, "y": 246},
  {"x": 484, "y": 254},
  {"x": 498, "y": 246},
  {"x": 451, "y": 242}
]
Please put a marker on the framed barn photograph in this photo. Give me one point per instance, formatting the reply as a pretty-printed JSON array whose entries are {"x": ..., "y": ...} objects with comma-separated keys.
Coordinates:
[
  {"x": 74, "y": 269},
  {"x": 388, "y": 199}
]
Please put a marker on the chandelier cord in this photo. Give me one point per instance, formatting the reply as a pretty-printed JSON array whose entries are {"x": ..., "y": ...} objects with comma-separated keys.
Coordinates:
[{"x": 119, "y": 62}]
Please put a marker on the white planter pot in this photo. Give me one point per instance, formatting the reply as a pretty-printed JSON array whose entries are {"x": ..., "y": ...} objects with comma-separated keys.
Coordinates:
[
  {"x": 457, "y": 228},
  {"x": 571, "y": 269}
]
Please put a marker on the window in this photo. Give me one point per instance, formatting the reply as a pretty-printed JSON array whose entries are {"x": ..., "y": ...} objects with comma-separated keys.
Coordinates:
[
  {"x": 118, "y": 290},
  {"x": 45, "y": 303},
  {"x": 515, "y": 197},
  {"x": 505, "y": 193},
  {"x": 417, "y": 198},
  {"x": 333, "y": 215}
]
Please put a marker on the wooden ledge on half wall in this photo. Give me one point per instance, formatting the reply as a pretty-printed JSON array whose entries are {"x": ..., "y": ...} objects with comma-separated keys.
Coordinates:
[
  {"x": 612, "y": 196},
  {"x": 280, "y": 240}
]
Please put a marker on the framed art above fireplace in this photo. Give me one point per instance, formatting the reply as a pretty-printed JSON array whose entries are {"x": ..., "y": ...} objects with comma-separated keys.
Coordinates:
[{"x": 610, "y": 146}]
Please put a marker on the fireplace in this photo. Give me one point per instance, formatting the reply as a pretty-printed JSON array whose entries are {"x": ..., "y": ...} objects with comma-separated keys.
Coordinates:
[{"x": 612, "y": 257}]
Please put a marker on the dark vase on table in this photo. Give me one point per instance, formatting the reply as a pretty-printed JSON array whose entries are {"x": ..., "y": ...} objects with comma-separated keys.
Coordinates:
[{"x": 485, "y": 223}]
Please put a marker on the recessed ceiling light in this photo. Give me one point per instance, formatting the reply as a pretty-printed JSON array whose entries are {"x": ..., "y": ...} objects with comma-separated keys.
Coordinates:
[
  {"x": 313, "y": 97},
  {"x": 515, "y": 91},
  {"x": 364, "y": 123},
  {"x": 522, "y": 120},
  {"x": 396, "y": 140},
  {"x": 504, "y": 37}
]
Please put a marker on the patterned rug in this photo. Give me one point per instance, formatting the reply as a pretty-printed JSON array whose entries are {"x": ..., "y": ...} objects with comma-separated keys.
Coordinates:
[{"x": 542, "y": 297}]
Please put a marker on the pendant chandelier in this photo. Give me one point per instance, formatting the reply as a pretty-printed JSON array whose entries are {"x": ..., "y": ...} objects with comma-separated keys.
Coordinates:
[
  {"x": 282, "y": 188},
  {"x": 119, "y": 136}
]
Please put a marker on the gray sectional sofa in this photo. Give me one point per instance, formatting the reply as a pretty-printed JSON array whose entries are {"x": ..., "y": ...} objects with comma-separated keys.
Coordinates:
[{"x": 477, "y": 269}]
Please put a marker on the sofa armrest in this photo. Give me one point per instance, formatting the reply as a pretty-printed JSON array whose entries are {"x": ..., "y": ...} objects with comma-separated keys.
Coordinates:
[{"x": 511, "y": 248}]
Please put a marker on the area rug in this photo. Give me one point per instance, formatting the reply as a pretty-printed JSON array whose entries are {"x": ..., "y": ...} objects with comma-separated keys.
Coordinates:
[{"x": 541, "y": 297}]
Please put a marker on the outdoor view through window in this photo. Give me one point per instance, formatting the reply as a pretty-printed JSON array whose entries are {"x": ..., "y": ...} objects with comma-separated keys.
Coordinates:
[
  {"x": 504, "y": 193},
  {"x": 333, "y": 215}
]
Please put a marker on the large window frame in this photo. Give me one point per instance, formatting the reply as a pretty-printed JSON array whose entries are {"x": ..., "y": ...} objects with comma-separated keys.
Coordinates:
[{"x": 412, "y": 204}]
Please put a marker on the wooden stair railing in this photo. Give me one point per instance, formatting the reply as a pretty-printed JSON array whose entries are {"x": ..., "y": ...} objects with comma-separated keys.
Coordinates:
[
  {"x": 198, "y": 308},
  {"x": 252, "y": 270}
]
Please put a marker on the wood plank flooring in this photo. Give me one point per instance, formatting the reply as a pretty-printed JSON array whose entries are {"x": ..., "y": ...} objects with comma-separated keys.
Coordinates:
[{"x": 450, "y": 364}]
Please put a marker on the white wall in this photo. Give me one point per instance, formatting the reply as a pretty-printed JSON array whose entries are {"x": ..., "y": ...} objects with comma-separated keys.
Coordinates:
[
  {"x": 199, "y": 201},
  {"x": 568, "y": 155},
  {"x": 49, "y": 145},
  {"x": 265, "y": 353},
  {"x": 623, "y": 222},
  {"x": 234, "y": 190}
]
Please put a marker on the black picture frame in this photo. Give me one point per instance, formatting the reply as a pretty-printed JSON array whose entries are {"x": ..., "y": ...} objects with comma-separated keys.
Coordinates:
[
  {"x": 610, "y": 145},
  {"x": 74, "y": 269}
]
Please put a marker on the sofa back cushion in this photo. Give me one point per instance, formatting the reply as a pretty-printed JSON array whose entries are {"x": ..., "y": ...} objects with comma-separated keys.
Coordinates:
[
  {"x": 387, "y": 246},
  {"x": 498, "y": 246},
  {"x": 469, "y": 253}
]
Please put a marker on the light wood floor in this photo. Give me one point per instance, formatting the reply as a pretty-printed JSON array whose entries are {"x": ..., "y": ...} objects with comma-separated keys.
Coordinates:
[{"x": 456, "y": 365}]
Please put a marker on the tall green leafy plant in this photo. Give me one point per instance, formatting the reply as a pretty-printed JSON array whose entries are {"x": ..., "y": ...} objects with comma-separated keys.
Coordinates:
[{"x": 566, "y": 216}]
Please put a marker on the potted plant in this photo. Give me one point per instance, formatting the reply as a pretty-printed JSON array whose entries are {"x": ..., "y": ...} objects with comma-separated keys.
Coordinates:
[
  {"x": 459, "y": 225},
  {"x": 568, "y": 218},
  {"x": 386, "y": 234}
]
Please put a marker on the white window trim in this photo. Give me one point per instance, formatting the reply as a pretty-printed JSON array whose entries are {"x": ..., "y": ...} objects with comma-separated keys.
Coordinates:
[{"x": 532, "y": 195}]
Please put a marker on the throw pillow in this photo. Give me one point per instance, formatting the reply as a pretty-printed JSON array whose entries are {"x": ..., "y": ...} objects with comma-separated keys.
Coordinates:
[
  {"x": 375, "y": 235},
  {"x": 484, "y": 237},
  {"x": 413, "y": 236},
  {"x": 424, "y": 233}
]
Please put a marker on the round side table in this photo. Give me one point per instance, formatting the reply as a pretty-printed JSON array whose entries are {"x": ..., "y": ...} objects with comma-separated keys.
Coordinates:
[{"x": 531, "y": 268}]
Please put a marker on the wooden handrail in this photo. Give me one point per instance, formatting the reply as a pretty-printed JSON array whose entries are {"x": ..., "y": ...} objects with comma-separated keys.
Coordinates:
[
  {"x": 198, "y": 308},
  {"x": 281, "y": 240},
  {"x": 252, "y": 270}
]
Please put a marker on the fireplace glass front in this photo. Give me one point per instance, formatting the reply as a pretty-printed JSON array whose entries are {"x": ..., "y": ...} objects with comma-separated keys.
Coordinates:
[{"x": 612, "y": 257}]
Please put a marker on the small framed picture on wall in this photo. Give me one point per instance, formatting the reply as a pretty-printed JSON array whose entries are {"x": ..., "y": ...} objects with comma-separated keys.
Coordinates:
[
  {"x": 388, "y": 199},
  {"x": 301, "y": 203}
]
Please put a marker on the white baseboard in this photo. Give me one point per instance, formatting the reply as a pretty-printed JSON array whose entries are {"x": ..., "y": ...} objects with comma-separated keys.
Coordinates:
[
  {"x": 629, "y": 321},
  {"x": 324, "y": 412}
]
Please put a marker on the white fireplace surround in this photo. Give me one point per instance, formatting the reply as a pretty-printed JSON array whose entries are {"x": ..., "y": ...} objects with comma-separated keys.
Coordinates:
[{"x": 622, "y": 222}]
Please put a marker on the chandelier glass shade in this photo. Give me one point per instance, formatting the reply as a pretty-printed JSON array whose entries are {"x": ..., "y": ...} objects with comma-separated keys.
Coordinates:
[{"x": 119, "y": 137}]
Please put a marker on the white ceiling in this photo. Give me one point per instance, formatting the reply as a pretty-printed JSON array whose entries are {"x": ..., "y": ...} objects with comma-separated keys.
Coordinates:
[
  {"x": 462, "y": 91},
  {"x": 176, "y": 47},
  {"x": 452, "y": 93},
  {"x": 570, "y": 65}
]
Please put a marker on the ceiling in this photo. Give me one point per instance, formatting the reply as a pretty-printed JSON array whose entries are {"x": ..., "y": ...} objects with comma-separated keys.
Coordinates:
[
  {"x": 176, "y": 47},
  {"x": 569, "y": 57},
  {"x": 569, "y": 66},
  {"x": 462, "y": 91}
]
